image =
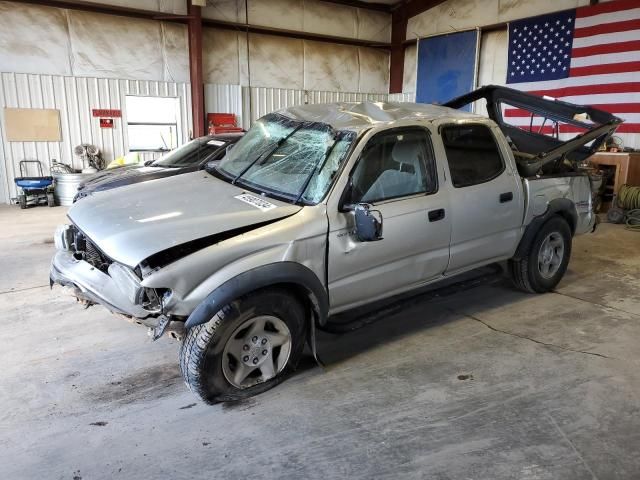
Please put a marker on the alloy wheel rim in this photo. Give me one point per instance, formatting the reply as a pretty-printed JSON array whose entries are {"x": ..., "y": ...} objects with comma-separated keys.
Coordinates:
[
  {"x": 257, "y": 351},
  {"x": 550, "y": 255}
]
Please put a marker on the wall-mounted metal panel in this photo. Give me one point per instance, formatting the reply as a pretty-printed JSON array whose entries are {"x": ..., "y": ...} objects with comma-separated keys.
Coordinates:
[
  {"x": 266, "y": 100},
  {"x": 223, "y": 99},
  {"x": 75, "y": 97},
  {"x": 402, "y": 97}
]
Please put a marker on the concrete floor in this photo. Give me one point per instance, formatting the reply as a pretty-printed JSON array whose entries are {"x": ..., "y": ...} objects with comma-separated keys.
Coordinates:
[{"x": 486, "y": 384}]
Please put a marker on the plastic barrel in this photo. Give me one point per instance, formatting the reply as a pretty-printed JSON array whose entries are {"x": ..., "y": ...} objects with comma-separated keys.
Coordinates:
[{"x": 66, "y": 186}]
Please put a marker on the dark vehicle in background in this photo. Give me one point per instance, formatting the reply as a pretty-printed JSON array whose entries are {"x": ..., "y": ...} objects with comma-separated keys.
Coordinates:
[{"x": 190, "y": 157}]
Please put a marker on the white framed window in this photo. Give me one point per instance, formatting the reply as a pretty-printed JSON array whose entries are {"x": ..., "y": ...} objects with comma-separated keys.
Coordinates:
[{"x": 152, "y": 123}]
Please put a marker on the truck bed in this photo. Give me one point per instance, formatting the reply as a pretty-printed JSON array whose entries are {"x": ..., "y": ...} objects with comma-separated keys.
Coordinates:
[{"x": 559, "y": 135}]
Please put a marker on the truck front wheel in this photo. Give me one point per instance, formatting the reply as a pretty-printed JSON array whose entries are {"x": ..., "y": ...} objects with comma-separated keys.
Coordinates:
[
  {"x": 545, "y": 260},
  {"x": 248, "y": 347}
]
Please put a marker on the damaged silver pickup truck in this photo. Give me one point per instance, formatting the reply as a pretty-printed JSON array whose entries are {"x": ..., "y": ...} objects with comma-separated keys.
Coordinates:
[{"x": 323, "y": 208}]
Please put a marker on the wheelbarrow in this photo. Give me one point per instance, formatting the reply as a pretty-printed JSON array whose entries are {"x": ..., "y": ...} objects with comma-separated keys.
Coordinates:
[{"x": 34, "y": 190}]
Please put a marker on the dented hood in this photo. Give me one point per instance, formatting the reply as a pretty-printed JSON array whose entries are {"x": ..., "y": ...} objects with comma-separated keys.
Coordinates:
[{"x": 131, "y": 223}]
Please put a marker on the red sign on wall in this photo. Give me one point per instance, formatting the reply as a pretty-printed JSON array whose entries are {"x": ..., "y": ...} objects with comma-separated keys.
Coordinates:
[
  {"x": 103, "y": 112},
  {"x": 106, "y": 123}
]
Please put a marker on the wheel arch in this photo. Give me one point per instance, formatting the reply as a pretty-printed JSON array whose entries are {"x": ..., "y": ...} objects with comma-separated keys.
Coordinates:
[
  {"x": 298, "y": 279},
  {"x": 562, "y": 207}
]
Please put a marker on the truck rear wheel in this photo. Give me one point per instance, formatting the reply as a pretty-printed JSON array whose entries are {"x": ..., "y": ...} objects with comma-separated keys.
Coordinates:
[
  {"x": 545, "y": 260},
  {"x": 248, "y": 347}
]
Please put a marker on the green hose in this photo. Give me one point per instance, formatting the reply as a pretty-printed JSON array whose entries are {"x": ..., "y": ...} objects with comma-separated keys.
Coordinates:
[{"x": 629, "y": 200}]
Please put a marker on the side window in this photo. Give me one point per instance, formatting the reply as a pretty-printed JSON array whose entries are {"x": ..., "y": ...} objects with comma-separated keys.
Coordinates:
[
  {"x": 394, "y": 164},
  {"x": 472, "y": 153}
]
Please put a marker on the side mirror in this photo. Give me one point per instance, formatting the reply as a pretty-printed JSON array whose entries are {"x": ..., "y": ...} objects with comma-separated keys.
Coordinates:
[{"x": 368, "y": 223}]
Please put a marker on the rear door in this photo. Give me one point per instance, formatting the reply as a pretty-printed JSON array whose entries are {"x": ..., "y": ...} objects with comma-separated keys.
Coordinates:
[
  {"x": 395, "y": 173},
  {"x": 487, "y": 204}
]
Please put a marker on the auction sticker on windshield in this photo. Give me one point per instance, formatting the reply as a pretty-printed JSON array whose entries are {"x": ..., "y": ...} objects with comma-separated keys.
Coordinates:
[{"x": 256, "y": 201}]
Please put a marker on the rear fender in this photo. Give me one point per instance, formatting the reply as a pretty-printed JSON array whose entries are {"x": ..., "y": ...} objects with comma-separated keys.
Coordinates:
[{"x": 559, "y": 206}]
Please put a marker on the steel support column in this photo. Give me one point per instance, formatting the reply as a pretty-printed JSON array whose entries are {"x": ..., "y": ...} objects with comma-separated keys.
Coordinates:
[
  {"x": 195, "y": 68},
  {"x": 396, "y": 64},
  {"x": 400, "y": 17}
]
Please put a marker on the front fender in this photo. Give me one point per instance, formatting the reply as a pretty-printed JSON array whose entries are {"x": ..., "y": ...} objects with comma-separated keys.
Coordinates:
[{"x": 260, "y": 277}]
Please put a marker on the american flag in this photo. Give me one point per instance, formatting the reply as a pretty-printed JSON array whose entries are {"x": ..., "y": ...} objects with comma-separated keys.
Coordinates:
[{"x": 589, "y": 55}]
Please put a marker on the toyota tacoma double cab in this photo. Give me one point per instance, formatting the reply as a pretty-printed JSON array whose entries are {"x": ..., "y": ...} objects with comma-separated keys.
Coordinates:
[{"x": 320, "y": 209}]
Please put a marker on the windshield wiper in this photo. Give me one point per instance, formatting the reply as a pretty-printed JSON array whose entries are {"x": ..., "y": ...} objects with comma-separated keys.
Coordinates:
[
  {"x": 266, "y": 154},
  {"x": 317, "y": 167}
]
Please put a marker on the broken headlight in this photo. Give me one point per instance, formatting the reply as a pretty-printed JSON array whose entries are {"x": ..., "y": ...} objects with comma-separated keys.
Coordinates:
[
  {"x": 63, "y": 238},
  {"x": 151, "y": 299}
]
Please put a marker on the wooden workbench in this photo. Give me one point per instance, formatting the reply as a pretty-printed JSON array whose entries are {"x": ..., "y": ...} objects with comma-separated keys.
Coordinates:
[{"x": 627, "y": 167}]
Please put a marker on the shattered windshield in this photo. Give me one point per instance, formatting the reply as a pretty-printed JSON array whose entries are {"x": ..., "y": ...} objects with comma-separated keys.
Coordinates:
[{"x": 288, "y": 158}]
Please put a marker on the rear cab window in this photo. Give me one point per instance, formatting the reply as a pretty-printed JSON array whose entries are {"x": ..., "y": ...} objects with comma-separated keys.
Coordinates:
[{"x": 472, "y": 153}]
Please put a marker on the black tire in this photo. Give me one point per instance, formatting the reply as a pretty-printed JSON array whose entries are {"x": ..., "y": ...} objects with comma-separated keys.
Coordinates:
[
  {"x": 201, "y": 353},
  {"x": 51, "y": 201},
  {"x": 525, "y": 272},
  {"x": 22, "y": 201}
]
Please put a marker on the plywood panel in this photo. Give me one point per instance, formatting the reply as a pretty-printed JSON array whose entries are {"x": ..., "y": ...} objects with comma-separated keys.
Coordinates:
[
  {"x": 74, "y": 97},
  {"x": 32, "y": 124}
]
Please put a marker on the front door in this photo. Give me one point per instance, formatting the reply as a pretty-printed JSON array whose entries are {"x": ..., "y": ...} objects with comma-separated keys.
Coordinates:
[
  {"x": 396, "y": 174},
  {"x": 487, "y": 212}
]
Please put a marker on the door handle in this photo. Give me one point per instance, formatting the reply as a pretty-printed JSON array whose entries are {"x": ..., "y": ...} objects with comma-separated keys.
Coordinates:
[
  {"x": 435, "y": 215},
  {"x": 506, "y": 197}
]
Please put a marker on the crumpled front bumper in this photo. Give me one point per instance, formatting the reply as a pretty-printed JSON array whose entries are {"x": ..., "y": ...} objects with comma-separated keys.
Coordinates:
[{"x": 91, "y": 284}]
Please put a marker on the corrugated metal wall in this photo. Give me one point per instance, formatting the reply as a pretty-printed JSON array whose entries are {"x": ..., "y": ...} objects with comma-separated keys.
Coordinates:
[
  {"x": 249, "y": 104},
  {"x": 223, "y": 99},
  {"x": 266, "y": 100},
  {"x": 401, "y": 97},
  {"x": 75, "y": 97}
]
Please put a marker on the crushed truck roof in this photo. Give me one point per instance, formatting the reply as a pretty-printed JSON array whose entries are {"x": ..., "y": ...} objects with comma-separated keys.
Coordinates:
[
  {"x": 588, "y": 127},
  {"x": 356, "y": 116}
]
